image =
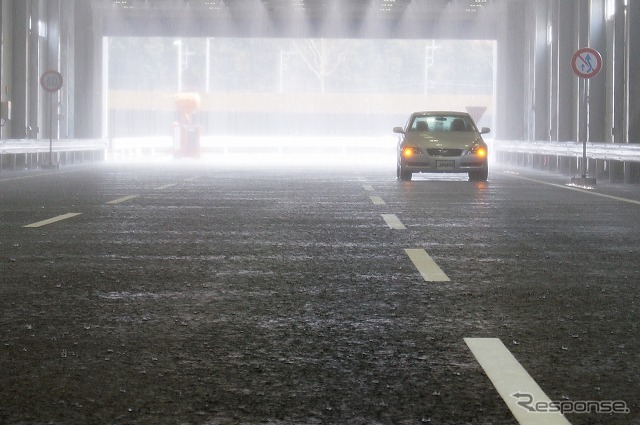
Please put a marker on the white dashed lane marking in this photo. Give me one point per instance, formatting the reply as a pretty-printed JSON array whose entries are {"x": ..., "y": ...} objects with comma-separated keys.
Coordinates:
[
  {"x": 166, "y": 186},
  {"x": 123, "y": 199},
  {"x": 377, "y": 200},
  {"x": 426, "y": 266},
  {"x": 368, "y": 187},
  {"x": 393, "y": 222},
  {"x": 511, "y": 379},
  {"x": 52, "y": 220}
]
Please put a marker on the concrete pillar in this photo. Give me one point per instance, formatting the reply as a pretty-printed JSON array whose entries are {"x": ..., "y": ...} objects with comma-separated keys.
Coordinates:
[
  {"x": 633, "y": 77},
  {"x": 581, "y": 29},
  {"x": 15, "y": 47},
  {"x": 620, "y": 75},
  {"x": 597, "y": 85},
  {"x": 565, "y": 77},
  {"x": 510, "y": 107},
  {"x": 88, "y": 72},
  {"x": 32, "y": 88},
  {"x": 6, "y": 43},
  {"x": 541, "y": 90}
]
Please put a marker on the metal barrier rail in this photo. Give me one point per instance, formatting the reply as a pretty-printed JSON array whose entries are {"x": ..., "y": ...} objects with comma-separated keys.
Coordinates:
[
  {"x": 614, "y": 161},
  {"x": 27, "y": 153},
  {"x": 17, "y": 146},
  {"x": 624, "y": 152}
]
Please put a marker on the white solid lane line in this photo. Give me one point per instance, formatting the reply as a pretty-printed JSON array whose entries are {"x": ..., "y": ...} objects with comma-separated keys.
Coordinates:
[
  {"x": 426, "y": 266},
  {"x": 393, "y": 222},
  {"x": 577, "y": 189},
  {"x": 52, "y": 220},
  {"x": 377, "y": 200},
  {"x": 516, "y": 387},
  {"x": 123, "y": 199}
]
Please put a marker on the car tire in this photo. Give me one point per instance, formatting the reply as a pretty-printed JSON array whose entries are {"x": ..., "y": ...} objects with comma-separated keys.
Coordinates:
[
  {"x": 405, "y": 176},
  {"x": 402, "y": 174},
  {"x": 479, "y": 176}
]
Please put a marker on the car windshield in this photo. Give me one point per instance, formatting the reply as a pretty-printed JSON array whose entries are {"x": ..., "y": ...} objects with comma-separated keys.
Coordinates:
[{"x": 442, "y": 123}]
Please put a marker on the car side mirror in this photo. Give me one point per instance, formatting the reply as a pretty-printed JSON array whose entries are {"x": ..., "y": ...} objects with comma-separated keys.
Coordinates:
[
  {"x": 485, "y": 130},
  {"x": 398, "y": 130}
]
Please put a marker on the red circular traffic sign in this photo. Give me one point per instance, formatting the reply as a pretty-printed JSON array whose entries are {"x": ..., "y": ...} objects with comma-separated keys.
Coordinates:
[
  {"x": 51, "y": 81},
  {"x": 586, "y": 62}
]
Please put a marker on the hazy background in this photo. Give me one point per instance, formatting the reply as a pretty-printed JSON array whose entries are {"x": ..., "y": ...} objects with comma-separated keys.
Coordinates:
[{"x": 280, "y": 86}]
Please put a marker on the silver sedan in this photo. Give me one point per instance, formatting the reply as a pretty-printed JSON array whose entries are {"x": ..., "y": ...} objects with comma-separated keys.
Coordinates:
[{"x": 442, "y": 142}]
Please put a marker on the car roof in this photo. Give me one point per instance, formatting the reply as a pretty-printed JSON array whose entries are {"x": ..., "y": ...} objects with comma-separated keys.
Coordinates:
[{"x": 438, "y": 113}]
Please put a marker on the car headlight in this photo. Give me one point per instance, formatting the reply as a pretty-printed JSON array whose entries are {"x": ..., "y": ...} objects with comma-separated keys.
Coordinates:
[
  {"x": 477, "y": 149},
  {"x": 409, "y": 151}
]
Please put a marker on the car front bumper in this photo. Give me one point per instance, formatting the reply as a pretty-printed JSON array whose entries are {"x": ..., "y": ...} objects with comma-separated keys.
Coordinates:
[{"x": 426, "y": 164}]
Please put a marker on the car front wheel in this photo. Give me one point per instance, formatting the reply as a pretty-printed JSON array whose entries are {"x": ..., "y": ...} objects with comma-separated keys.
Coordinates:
[
  {"x": 402, "y": 174},
  {"x": 479, "y": 176}
]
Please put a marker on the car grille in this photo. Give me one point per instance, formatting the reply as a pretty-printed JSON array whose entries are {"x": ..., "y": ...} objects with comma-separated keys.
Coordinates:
[{"x": 444, "y": 152}]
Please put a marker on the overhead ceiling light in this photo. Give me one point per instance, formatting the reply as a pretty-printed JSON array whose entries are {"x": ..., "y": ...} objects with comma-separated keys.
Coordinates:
[{"x": 123, "y": 4}]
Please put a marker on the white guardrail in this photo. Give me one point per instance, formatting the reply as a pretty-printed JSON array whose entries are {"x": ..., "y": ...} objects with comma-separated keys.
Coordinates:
[
  {"x": 18, "y": 154},
  {"x": 22, "y": 146},
  {"x": 625, "y": 152}
]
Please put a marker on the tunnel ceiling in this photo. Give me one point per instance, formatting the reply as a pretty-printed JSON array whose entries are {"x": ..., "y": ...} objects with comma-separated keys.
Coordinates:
[
  {"x": 323, "y": 18},
  {"x": 311, "y": 8}
]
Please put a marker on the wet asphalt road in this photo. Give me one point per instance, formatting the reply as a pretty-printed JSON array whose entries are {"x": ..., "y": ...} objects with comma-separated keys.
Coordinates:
[{"x": 195, "y": 293}]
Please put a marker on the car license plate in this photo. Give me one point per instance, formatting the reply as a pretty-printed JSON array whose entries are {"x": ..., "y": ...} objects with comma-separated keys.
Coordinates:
[{"x": 445, "y": 165}]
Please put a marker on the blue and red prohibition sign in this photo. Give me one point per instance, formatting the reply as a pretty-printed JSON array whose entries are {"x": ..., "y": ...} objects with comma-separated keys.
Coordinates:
[{"x": 586, "y": 62}]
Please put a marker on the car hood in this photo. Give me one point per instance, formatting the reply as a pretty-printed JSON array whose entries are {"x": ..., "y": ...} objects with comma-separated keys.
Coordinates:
[{"x": 444, "y": 140}]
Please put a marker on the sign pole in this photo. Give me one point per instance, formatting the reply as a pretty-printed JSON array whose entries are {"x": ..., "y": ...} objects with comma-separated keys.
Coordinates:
[
  {"x": 51, "y": 81},
  {"x": 586, "y": 63},
  {"x": 51, "y": 129},
  {"x": 585, "y": 99}
]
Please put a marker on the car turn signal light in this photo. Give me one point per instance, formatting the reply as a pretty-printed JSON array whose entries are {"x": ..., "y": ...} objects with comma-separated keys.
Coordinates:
[
  {"x": 409, "y": 151},
  {"x": 478, "y": 150}
]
